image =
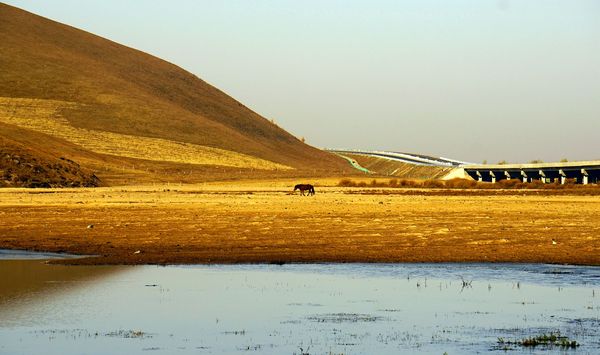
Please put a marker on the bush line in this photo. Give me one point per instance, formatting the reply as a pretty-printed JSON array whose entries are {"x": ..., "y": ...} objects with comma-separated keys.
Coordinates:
[{"x": 459, "y": 183}]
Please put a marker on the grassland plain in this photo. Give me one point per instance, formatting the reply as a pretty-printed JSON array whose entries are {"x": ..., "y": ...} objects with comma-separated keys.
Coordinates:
[{"x": 260, "y": 221}]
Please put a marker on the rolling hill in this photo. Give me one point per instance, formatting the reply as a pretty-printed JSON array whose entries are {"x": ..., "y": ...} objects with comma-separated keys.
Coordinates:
[{"x": 127, "y": 116}]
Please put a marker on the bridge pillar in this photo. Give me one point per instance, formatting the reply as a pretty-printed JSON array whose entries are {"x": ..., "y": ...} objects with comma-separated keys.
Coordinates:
[
  {"x": 542, "y": 176},
  {"x": 585, "y": 177},
  {"x": 524, "y": 175},
  {"x": 563, "y": 177},
  {"x": 479, "y": 177},
  {"x": 507, "y": 174},
  {"x": 493, "y": 176}
]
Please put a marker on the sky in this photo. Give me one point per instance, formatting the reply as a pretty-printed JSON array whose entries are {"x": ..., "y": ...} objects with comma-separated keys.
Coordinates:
[{"x": 470, "y": 80}]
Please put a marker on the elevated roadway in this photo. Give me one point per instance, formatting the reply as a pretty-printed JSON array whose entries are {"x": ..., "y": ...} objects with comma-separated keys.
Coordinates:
[
  {"x": 581, "y": 172},
  {"x": 410, "y": 158}
]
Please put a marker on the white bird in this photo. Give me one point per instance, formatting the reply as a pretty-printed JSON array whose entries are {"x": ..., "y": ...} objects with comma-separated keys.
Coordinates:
[{"x": 554, "y": 242}]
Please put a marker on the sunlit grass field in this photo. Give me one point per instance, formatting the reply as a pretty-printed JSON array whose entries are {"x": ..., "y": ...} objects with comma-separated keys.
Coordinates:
[{"x": 44, "y": 116}]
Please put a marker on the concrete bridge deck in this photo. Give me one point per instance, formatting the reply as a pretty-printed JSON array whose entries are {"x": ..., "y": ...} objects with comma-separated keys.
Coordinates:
[{"x": 581, "y": 172}]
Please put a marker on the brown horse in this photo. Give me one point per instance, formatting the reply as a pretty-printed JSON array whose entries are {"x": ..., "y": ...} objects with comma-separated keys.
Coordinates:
[{"x": 305, "y": 187}]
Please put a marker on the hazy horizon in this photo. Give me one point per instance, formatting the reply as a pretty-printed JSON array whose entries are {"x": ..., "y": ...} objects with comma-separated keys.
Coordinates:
[{"x": 470, "y": 80}]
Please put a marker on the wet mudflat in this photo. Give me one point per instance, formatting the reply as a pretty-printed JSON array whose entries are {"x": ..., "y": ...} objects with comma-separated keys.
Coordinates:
[{"x": 295, "y": 309}]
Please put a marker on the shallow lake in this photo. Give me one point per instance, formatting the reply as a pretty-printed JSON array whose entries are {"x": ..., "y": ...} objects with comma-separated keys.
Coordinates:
[{"x": 294, "y": 309}]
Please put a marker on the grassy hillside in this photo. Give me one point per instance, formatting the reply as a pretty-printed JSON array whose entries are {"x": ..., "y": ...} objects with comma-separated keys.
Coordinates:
[
  {"x": 113, "y": 100},
  {"x": 398, "y": 169}
]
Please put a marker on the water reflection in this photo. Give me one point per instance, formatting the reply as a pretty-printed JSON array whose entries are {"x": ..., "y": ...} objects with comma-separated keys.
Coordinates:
[
  {"x": 30, "y": 289},
  {"x": 314, "y": 309},
  {"x": 16, "y": 254}
]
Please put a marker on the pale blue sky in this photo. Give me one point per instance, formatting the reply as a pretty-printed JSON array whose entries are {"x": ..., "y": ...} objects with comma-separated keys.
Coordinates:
[{"x": 471, "y": 80}]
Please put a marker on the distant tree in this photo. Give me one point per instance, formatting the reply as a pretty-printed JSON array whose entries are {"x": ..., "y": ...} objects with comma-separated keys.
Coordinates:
[
  {"x": 536, "y": 161},
  {"x": 502, "y": 162},
  {"x": 564, "y": 160},
  {"x": 484, "y": 162},
  {"x": 302, "y": 139}
]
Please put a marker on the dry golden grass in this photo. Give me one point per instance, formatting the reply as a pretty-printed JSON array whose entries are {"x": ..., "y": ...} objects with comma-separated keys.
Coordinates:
[
  {"x": 45, "y": 116},
  {"x": 259, "y": 221}
]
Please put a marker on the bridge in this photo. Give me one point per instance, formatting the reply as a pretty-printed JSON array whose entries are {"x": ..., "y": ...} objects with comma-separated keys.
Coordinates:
[{"x": 580, "y": 172}]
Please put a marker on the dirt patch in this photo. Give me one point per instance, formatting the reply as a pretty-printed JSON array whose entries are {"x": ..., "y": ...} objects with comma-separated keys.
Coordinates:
[{"x": 21, "y": 166}]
